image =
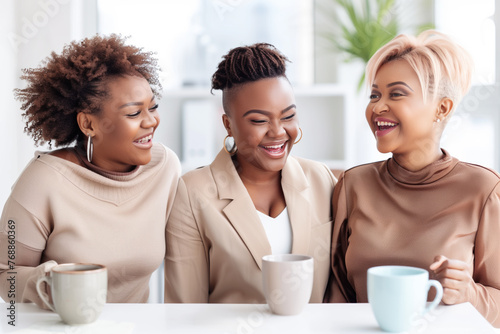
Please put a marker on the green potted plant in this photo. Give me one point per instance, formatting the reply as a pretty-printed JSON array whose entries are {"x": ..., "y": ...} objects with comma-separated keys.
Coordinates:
[{"x": 364, "y": 27}]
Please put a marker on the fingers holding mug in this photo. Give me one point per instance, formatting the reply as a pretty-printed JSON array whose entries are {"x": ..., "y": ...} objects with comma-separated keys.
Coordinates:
[{"x": 456, "y": 279}]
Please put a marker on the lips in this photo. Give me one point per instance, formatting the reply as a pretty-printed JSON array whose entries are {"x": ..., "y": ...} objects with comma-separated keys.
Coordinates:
[
  {"x": 384, "y": 126},
  {"x": 144, "y": 140},
  {"x": 275, "y": 150}
]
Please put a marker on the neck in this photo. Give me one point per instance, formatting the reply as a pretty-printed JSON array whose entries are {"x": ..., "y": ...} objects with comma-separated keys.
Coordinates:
[
  {"x": 261, "y": 180},
  {"x": 251, "y": 175},
  {"x": 97, "y": 167},
  {"x": 417, "y": 160}
]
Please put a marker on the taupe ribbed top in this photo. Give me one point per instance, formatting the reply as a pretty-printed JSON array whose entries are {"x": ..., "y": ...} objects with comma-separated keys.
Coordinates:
[{"x": 387, "y": 215}]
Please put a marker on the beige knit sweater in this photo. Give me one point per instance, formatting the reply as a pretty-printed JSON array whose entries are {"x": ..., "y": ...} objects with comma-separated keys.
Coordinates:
[{"x": 64, "y": 212}]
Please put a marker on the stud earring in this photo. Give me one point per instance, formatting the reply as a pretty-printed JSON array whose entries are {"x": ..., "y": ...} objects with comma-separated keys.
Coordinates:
[{"x": 233, "y": 149}]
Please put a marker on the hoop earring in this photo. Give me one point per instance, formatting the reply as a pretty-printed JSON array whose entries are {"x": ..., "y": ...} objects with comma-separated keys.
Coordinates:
[
  {"x": 90, "y": 148},
  {"x": 300, "y": 137},
  {"x": 233, "y": 148}
]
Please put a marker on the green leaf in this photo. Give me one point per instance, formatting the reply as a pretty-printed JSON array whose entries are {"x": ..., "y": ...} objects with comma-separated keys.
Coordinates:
[{"x": 370, "y": 25}]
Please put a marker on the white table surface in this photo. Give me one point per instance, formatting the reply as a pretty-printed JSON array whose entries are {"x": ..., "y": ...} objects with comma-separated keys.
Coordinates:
[{"x": 239, "y": 319}]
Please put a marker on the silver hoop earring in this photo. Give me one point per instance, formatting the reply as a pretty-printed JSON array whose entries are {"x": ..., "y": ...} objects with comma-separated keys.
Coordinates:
[
  {"x": 90, "y": 148},
  {"x": 233, "y": 149}
]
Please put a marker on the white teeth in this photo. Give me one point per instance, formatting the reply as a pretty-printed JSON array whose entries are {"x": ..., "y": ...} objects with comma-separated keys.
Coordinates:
[
  {"x": 386, "y": 124},
  {"x": 274, "y": 146},
  {"x": 145, "y": 139}
]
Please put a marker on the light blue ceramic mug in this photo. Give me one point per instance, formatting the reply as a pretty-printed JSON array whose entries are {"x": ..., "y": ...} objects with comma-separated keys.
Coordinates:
[{"x": 398, "y": 295}]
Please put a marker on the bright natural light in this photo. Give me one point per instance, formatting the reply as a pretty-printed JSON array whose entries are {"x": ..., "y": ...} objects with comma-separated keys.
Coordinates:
[
  {"x": 190, "y": 36},
  {"x": 476, "y": 33}
]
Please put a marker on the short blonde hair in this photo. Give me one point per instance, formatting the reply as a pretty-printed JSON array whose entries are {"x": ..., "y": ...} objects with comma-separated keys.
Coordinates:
[{"x": 436, "y": 59}]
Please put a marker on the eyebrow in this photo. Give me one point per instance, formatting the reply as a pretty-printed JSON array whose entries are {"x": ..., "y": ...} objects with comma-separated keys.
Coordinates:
[
  {"x": 394, "y": 84},
  {"x": 134, "y": 103},
  {"x": 267, "y": 113}
]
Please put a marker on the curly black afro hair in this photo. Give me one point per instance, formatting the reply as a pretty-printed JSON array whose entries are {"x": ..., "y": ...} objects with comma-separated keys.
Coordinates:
[{"x": 75, "y": 81}]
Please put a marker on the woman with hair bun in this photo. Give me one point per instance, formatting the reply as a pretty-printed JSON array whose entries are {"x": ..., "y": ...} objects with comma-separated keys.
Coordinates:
[
  {"x": 104, "y": 195},
  {"x": 422, "y": 207},
  {"x": 254, "y": 199}
]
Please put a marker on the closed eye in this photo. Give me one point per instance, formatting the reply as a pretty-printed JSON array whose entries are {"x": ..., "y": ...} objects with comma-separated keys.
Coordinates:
[
  {"x": 258, "y": 121},
  {"x": 134, "y": 114},
  {"x": 289, "y": 117},
  {"x": 154, "y": 107}
]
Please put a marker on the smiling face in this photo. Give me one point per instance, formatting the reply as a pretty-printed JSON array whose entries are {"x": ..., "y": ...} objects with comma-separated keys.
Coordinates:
[
  {"x": 397, "y": 114},
  {"x": 123, "y": 130},
  {"x": 261, "y": 116}
]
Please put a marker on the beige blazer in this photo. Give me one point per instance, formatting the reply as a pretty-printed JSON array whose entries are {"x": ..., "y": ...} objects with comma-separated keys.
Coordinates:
[{"x": 216, "y": 241}]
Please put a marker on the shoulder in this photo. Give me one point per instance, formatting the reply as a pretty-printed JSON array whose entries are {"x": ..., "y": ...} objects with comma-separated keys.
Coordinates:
[
  {"x": 46, "y": 163},
  {"x": 478, "y": 170},
  {"x": 221, "y": 169},
  {"x": 44, "y": 172},
  {"x": 312, "y": 170},
  {"x": 68, "y": 154},
  {"x": 365, "y": 169},
  {"x": 200, "y": 175},
  {"x": 477, "y": 175},
  {"x": 361, "y": 175}
]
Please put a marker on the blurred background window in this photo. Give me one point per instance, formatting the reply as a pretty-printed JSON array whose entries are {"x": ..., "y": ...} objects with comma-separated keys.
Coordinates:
[
  {"x": 473, "y": 132},
  {"x": 190, "y": 36}
]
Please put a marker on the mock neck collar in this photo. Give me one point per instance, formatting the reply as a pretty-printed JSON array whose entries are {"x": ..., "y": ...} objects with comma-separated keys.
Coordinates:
[
  {"x": 426, "y": 175},
  {"x": 119, "y": 176}
]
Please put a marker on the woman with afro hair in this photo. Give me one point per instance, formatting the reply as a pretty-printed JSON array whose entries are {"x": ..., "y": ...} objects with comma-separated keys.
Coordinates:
[
  {"x": 254, "y": 199},
  {"x": 103, "y": 196}
]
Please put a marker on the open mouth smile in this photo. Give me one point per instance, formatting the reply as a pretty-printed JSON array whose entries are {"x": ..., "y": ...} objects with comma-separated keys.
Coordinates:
[
  {"x": 275, "y": 150},
  {"x": 144, "y": 140},
  {"x": 384, "y": 127}
]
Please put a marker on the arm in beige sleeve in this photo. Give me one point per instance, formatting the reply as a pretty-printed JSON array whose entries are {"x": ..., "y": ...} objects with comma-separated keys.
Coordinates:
[
  {"x": 22, "y": 240},
  {"x": 186, "y": 262},
  {"x": 487, "y": 261},
  {"x": 341, "y": 289}
]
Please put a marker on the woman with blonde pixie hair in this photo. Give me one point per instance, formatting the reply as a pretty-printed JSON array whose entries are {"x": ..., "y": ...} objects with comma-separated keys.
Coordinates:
[{"x": 422, "y": 207}]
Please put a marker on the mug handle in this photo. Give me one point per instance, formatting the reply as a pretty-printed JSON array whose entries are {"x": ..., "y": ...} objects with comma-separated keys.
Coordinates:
[
  {"x": 44, "y": 296},
  {"x": 437, "y": 298}
]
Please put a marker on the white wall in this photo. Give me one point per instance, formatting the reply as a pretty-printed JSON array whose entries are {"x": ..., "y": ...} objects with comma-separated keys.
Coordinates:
[
  {"x": 32, "y": 29},
  {"x": 9, "y": 114}
]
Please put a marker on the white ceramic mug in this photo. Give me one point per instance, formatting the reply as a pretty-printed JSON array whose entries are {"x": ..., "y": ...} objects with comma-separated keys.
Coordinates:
[
  {"x": 78, "y": 291},
  {"x": 398, "y": 295},
  {"x": 287, "y": 281}
]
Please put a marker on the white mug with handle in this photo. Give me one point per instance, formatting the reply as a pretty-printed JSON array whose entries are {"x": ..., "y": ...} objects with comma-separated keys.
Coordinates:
[
  {"x": 398, "y": 295},
  {"x": 78, "y": 291}
]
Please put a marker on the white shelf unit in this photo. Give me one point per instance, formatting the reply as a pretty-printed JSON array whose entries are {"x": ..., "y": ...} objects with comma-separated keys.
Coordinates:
[{"x": 324, "y": 111}]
